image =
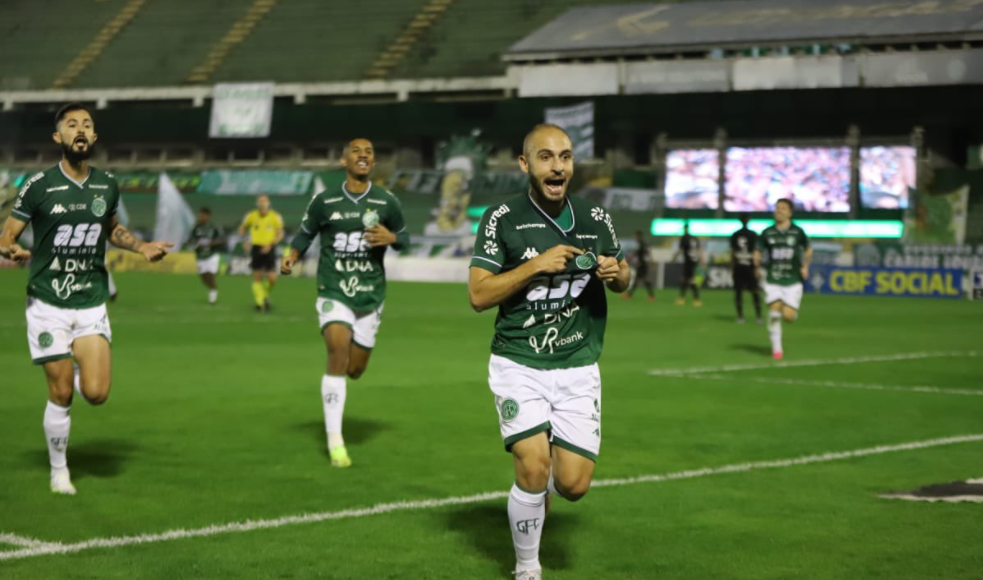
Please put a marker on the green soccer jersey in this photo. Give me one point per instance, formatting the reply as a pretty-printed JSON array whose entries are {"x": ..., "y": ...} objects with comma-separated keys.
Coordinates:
[
  {"x": 71, "y": 222},
  {"x": 349, "y": 269},
  {"x": 784, "y": 250},
  {"x": 203, "y": 236},
  {"x": 557, "y": 320}
]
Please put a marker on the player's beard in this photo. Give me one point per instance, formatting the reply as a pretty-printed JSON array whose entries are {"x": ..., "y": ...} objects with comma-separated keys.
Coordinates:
[{"x": 75, "y": 157}]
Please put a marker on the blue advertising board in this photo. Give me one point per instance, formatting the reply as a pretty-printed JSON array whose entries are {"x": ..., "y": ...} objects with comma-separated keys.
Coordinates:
[{"x": 910, "y": 282}]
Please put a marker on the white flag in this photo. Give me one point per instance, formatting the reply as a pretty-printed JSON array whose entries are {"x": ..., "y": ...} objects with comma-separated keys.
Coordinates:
[{"x": 174, "y": 217}]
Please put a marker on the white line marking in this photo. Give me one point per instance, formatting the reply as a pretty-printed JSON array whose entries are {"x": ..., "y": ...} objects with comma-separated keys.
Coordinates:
[
  {"x": 250, "y": 525},
  {"x": 838, "y": 385},
  {"x": 950, "y": 499},
  {"x": 24, "y": 541},
  {"x": 814, "y": 362}
]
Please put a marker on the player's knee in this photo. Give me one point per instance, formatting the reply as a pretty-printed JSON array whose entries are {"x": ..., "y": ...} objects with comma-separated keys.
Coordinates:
[
  {"x": 790, "y": 315},
  {"x": 356, "y": 371},
  {"x": 573, "y": 489},
  {"x": 97, "y": 399},
  {"x": 535, "y": 472},
  {"x": 61, "y": 396}
]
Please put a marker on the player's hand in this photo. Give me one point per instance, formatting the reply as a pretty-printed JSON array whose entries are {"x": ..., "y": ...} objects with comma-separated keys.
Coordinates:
[
  {"x": 15, "y": 253},
  {"x": 155, "y": 251},
  {"x": 607, "y": 268},
  {"x": 379, "y": 235},
  {"x": 265, "y": 249},
  {"x": 554, "y": 260},
  {"x": 287, "y": 264}
]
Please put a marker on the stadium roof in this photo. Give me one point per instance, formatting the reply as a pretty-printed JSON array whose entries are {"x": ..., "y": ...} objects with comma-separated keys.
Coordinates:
[{"x": 695, "y": 26}]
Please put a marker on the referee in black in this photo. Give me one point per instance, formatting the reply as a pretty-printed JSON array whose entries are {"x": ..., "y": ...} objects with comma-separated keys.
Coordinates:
[{"x": 742, "y": 245}]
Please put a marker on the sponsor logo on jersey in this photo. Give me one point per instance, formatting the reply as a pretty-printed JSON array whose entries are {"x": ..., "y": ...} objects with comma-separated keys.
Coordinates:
[
  {"x": 45, "y": 339},
  {"x": 509, "y": 409},
  {"x": 586, "y": 237},
  {"x": 76, "y": 207},
  {"x": 598, "y": 214},
  {"x": 335, "y": 216},
  {"x": 58, "y": 188},
  {"x": 99, "y": 207},
  {"x": 67, "y": 287},
  {"x": 59, "y": 208},
  {"x": 349, "y": 266},
  {"x": 551, "y": 340},
  {"x": 531, "y": 321},
  {"x": 491, "y": 248},
  {"x": 92, "y": 186},
  {"x": 527, "y": 226},
  {"x": 492, "y": 224},
  {"x": 370, "y": 218},
  {"x": 19, "y": 202},
  {"x": 530, "y": 253},
  {"x": 55, "y": 265},
  {"x": 351, "y": 287},
  {"x": 27, "y": 184}
]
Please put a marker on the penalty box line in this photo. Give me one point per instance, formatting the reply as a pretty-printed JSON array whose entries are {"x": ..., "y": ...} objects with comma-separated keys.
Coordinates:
[
  {"x": 813, "y": 362},
  {"x": 252, "y": 525}
]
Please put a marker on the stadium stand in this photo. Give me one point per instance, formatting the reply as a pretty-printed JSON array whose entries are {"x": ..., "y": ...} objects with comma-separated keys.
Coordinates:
[{"x": 95, "y": 48}]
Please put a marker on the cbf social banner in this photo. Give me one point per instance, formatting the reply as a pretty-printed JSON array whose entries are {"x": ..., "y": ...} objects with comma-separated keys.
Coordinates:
[{"x": 910, "y": 282}]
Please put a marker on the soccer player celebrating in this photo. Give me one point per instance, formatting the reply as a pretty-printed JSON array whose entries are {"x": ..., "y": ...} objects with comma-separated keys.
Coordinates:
[
  {"x": 692, "y": 254},
  {"x": 206, "y": 237},
  {"x": 789, "y": 256},
  {"x": 265, "y": 228},
  {"x": 72, "y": 208},
  {"x": 544, "y": 259},
  {"x": 356, "y": 223},
  {"x": 641, "y": 260},
  {"x": 743, "y": 243}
]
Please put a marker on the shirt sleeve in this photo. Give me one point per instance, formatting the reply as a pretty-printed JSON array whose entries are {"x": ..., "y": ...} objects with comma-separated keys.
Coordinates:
[
  {"x": 27, "y": 199},
  {"x": 489, "y": 250},
  {"x": 608, "y": 245},
  {"x": 310, "y": 225},
  {"x": 397, "y": 225}
]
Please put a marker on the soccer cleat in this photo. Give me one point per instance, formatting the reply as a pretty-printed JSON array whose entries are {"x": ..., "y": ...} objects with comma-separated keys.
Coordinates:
[
  {"x": 740, "y": 320},
  {"x": 758, "y": 321},
  {"x": 651, "y": 298},
  {"x": 777, "y": 355},
  {"x": 528, "y": 575},
  {"x": 680, "y": 302},
  {"x": 266, "y": 305},
  {"x": 626, "y": 296},
  {"x": 61, "y": 483},
  {"x": 339, "y": 456},
  {"x": 697, "y": 303}
]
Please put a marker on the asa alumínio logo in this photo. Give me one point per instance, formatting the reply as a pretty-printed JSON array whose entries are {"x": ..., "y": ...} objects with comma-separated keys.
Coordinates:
[
  {"x": 99, "y": 207},
  {"x": 509, "y": 410},
  {"x": 45, "y": 339}
]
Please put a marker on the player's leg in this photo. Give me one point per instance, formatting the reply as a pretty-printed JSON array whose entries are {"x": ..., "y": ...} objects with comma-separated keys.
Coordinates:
[
  {"x": 259, "y": 293},
  {"x": 336, "y": 321},
  {"x": 93, "y": 354},
  {"x": 756, "y": 298},
  {"x": 364, "y": 332},
  {"x": 576, "y": 430},
  {"x": 773, "y": 297},
  {"x": 739, "y": 296},
  {"x": 270, "y": 281},
  {"x": 523, "y": 413},
  {"x": 683, "y": 285}
]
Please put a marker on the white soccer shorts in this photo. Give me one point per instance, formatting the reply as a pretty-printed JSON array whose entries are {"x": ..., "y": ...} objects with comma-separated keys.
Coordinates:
[
  {"x": 364, "y": 325},
  {"x": 790, "y": 295},
  {"x": 209, "y": 265},
  {"x": 564, "y": 402},
  {"x": 51, "y": 330}
]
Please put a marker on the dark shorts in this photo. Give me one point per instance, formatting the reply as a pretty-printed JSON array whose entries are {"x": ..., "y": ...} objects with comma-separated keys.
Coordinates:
[
  {"x": 689, "y": 270},
  {"x": 263, "y": 262},
  {"x": 744, "y": 279}
]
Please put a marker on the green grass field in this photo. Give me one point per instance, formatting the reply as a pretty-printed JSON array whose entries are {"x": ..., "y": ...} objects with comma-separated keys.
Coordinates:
[{"x": 215, "y": 418}]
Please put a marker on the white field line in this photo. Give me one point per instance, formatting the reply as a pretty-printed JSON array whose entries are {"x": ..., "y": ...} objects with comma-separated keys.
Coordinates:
[
  {"x": 814, "y": 362},
  {"x": 24, "y": 541},
  {"x": 251, "y": 525},
  {"x": 837, "y": 385}
]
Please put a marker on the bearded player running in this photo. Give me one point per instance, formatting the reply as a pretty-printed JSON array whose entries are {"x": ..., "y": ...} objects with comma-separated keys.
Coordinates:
[
  {"x": 72, "y": 208},
  {"x": 544, "y": 259},
  {"x": 356, "y": 222}
]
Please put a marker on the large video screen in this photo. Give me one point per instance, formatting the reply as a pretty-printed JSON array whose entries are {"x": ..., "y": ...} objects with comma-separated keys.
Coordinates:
[
  {"x": 816, "y": 179},
  {"x": 692, "y": 179},
  {"x": 886, "y": 175}
]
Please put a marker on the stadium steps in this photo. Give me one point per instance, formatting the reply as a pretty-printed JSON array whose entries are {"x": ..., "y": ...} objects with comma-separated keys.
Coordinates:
[
  {"x": 239, "y": 31},
  {"x": 397, "y": 50},
  {"x": 95, "y": 48}
]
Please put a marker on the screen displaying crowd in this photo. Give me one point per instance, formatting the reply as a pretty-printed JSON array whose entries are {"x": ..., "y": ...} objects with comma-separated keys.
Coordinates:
[
  {"x": 815, "y": 179},
  {"x": 692, "y": 179},
  {"x": 886, "y": 175}
]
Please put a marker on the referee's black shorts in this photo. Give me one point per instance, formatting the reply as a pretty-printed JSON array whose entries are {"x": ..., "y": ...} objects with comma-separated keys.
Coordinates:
[
  {"x": 744, "y": 278},
  {"x": 263, "y": 262}
]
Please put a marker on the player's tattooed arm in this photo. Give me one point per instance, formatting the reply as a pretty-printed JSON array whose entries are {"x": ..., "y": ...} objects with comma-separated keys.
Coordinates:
[
  {"x": 122, "y": 237},
  {"x": 487, "y": 289},
  {"x": 9, "y": 248}
]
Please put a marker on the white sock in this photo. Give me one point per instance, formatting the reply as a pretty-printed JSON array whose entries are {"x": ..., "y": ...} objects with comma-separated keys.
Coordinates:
[
  {"x": 775, "y": 330},
  {"x": 333, "y": 398},
  {"x": 57, "y": 424},
  {"x": 527, "y": 512},
  {"x": 212, "y": 296}
]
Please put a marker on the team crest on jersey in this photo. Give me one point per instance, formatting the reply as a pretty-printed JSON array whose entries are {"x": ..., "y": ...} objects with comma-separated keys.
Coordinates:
[
  {"x": 509, "y": 409},
  {"x": 370, "y": 218},
  {"x": 99, "y": 207},
  {"x": 586, "y": 261},
  {"x": 327, "y": 306},
  {"x": 45, "y": 339}
]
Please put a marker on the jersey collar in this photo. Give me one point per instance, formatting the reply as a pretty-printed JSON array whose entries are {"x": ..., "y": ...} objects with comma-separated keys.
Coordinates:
[
  {"x": 80, "y": 185},
  {"x": 573, "y": 216},
  {"x": 352, "y": 197}
]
